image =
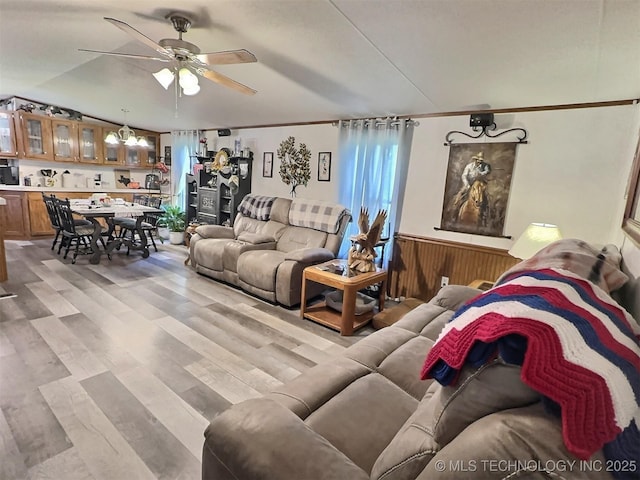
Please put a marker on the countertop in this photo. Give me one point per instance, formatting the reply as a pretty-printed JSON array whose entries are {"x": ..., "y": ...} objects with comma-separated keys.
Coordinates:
[{"x": 22, "y": 188}]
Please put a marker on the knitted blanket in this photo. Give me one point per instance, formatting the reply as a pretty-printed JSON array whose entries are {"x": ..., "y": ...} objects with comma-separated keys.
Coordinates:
[
  {"x": 317, "y": 215},
  {"x": 256, "y": 206},
  {"x": 576, "y": 345}
]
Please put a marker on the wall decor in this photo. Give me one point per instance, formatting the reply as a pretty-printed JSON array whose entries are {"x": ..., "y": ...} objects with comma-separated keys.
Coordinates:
[
  {"x": 324, "y": 166},
  {"x": 167, "y": 155},
  {"x": 267, "y": 164},
  {"x": 477, "y": 187},
  {"x": 294, "y": 164}
]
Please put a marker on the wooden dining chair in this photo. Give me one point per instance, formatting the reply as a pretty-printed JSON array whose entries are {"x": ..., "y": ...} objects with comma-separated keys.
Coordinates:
[
  {"x": 138, "y": 198},
  {"x": 148, "y": 225},
  {"x": 73, "y": 235}
]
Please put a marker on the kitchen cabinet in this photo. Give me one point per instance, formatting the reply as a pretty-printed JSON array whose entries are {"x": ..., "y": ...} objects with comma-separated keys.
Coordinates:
[
  {"x": 150, "y": 154},
  {"x": 16, "y": 218},
  {"x": 35, "y": 136},
  {"x": 90, "y": 143},
  {"x": 65, "y": 140},
  {"x": 112, "y": 154},
  {"x": 7, "y": 135},
  {"x": 76, "y": 142}
]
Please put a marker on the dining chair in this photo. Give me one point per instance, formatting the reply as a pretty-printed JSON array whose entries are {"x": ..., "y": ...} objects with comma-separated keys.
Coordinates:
[
  {"x": 148, "y": 225},
  {"x": 50, "y": 203},
  {"x": 137, "y": 198},
  {"x": 73, "y": 235}
]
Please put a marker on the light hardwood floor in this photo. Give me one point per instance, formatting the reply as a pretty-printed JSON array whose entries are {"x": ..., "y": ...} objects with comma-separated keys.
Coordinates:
[{"x": 112, "y": 371}]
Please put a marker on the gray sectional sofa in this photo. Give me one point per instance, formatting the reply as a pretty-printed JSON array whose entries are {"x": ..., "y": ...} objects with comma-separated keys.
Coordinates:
[{"x": 271, "y": 242}]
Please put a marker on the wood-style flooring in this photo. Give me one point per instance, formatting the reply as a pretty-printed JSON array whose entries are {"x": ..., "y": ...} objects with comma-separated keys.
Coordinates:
[{"x": 112, "y": 371}]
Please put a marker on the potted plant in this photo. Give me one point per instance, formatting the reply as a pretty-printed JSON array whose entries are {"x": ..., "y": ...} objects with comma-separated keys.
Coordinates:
[{"x": 174, "y": 219}]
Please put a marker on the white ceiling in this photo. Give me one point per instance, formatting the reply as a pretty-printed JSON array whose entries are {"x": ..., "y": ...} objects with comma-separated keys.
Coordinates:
[{"x": 324, "y": 59}]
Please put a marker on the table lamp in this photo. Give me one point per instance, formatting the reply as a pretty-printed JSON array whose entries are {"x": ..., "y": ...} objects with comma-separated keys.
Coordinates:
[{"x": 535, "y": 238}]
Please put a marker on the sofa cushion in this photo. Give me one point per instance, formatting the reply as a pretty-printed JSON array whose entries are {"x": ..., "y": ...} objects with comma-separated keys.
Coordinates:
[
  {"x": 294, "y": 238},
  {"x": 280, "y": 210},
  {"x": 519, "y": 443},
  {"x": 362, "y": 419},
  {"x": 255, "y": 238},
  {"x": 247, "y": 224},
  {"x": 259, "y": 268},
  {"x": 444, "y": 412}
]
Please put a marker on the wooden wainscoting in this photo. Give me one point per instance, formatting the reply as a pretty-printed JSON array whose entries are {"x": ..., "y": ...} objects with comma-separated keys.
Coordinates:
[{"x": 419, "y": 263}]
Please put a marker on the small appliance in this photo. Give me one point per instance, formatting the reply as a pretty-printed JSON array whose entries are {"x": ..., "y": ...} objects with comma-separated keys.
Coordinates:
[{"x": 152, "y": 182}]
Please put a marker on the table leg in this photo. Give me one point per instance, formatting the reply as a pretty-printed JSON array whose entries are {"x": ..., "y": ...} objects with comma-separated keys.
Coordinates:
[
  {"x": 348, "y": 310},
  {"x": 303, "y": 295},
  {"x": 382, "y": 295},
  {"x": 95, "y": 237}
]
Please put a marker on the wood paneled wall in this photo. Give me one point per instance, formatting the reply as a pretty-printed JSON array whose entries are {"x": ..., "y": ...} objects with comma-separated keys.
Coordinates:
[{"x": 419, "y": 263}]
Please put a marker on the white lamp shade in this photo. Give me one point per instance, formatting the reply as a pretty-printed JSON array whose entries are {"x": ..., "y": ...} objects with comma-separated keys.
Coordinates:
[
  {"x": 187, "y": 78},
  {"x": 112, "y": 138},
  {"x": 142, "y": 142},
  {"x": 191, "y": 90},
  {"x": 535, "y": 238},
  {"x": 164, "y": 77}
]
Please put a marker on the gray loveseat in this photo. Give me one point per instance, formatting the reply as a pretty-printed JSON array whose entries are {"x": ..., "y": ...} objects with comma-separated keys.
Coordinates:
[
  {"x": 271, "y": 242},
  {"x": 367, "y": 415}
]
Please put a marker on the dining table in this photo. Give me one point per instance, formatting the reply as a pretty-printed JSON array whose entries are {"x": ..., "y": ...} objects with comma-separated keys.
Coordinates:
[{"x": 95, "y": 211}]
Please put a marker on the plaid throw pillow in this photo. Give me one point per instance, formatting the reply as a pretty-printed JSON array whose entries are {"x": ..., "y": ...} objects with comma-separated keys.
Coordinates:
[{"x": 256, "y": 206}]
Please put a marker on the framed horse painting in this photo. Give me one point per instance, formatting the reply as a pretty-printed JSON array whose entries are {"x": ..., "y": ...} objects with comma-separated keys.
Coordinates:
[{"x": 477, "y": 187}]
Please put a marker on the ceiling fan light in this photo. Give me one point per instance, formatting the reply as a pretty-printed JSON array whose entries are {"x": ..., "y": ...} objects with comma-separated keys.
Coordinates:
[
  {"x": 142, "y": 142},
  {"x": 164, "y": 77},
  {"x": 191, "y": 90},
  {"x": 187, "y": 78},
  {"x": 112, "y": 138}
]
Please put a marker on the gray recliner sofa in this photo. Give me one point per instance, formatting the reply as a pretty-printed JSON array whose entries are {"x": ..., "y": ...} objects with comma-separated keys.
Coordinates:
[
  {"x": 366, "y": 414},
  {"x": 266, "y": 250}
]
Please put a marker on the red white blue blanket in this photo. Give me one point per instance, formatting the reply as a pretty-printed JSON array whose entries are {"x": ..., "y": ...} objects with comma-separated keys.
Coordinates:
[{"x": 577, "y": 347}]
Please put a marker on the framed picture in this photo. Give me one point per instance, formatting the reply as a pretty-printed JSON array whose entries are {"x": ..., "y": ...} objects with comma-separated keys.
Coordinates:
[
  {"x": 324, "y": 166},
  {"x": 267, "y": 164}
]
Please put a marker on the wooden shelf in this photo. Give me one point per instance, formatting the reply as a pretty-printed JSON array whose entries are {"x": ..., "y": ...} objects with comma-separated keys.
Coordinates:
[{"x": 331, "y": 318}]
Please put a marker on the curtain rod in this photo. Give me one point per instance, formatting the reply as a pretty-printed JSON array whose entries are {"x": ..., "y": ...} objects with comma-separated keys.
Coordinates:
[{"x": 378, "y": 121}]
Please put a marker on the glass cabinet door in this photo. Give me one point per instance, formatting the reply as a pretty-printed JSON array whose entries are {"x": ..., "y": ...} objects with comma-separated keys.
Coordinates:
[
  {"x": 112, "y": 154},
  {"x": 65, "y": 143},
  {"x": 150, "y": 154},
  {"x": 132, "y": 156},
  {"x": 90, "y": 143},
  {"x": 7, "y": 135},
  {"x": 37, "y": 140}
]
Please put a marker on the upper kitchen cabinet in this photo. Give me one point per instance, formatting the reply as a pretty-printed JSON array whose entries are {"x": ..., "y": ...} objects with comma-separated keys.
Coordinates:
[
  {"x": 150, "y": 154},
  {"x": 35, "y": 136},
  {"x": 112, "y": 154},
  {"x": 65, "y": 140},
  {"x": 7, "y": 135},
  {"x": 136, "y": 156},
  {"x": 90, "y": 143}
]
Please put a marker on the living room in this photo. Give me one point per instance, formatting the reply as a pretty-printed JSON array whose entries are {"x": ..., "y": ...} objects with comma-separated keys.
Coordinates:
[{"x": 146, "y": 351}]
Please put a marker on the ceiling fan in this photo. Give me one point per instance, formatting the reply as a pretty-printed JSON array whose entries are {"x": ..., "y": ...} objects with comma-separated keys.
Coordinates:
[{"x": 184, "y": 57}]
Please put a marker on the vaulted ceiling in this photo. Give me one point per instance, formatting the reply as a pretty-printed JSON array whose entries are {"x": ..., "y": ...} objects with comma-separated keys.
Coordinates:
[{"x": 324, "y": 59}]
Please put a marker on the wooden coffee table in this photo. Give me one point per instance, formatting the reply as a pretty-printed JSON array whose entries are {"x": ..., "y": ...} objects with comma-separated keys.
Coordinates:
[{"x": 347, "y": 321}]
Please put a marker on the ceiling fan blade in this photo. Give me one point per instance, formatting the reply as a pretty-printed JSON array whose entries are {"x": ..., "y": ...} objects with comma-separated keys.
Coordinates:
[
  {"x": 139, "y": 36},
  {"x": 129, "y": 55},
  {"x": 228, "y": 57},
  {"x": 226, "y": 81}
]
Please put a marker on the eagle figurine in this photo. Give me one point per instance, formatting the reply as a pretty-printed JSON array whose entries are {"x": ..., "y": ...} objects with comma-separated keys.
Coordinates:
[{"x": 362, "y": 254}]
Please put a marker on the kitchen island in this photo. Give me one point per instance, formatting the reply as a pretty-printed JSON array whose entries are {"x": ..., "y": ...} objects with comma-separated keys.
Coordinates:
[{"x": 26, "y": 215}]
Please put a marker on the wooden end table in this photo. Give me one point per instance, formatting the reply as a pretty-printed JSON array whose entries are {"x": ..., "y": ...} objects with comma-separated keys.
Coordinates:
[{"x": 347, "y": 321}]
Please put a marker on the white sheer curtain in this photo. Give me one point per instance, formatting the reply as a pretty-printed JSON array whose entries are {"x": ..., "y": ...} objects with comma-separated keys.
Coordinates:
[
  {"x": 373, "y": 163},
  {"x": 184, "y": 143}
]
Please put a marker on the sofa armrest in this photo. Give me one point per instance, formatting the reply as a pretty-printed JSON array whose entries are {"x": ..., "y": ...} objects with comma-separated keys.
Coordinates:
[
  {"x": 255, "y": 238},
  {"x": 310, "y": 255},
  {"x": 215, "y": 231},
  {"x": 262, "y": 440}
]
